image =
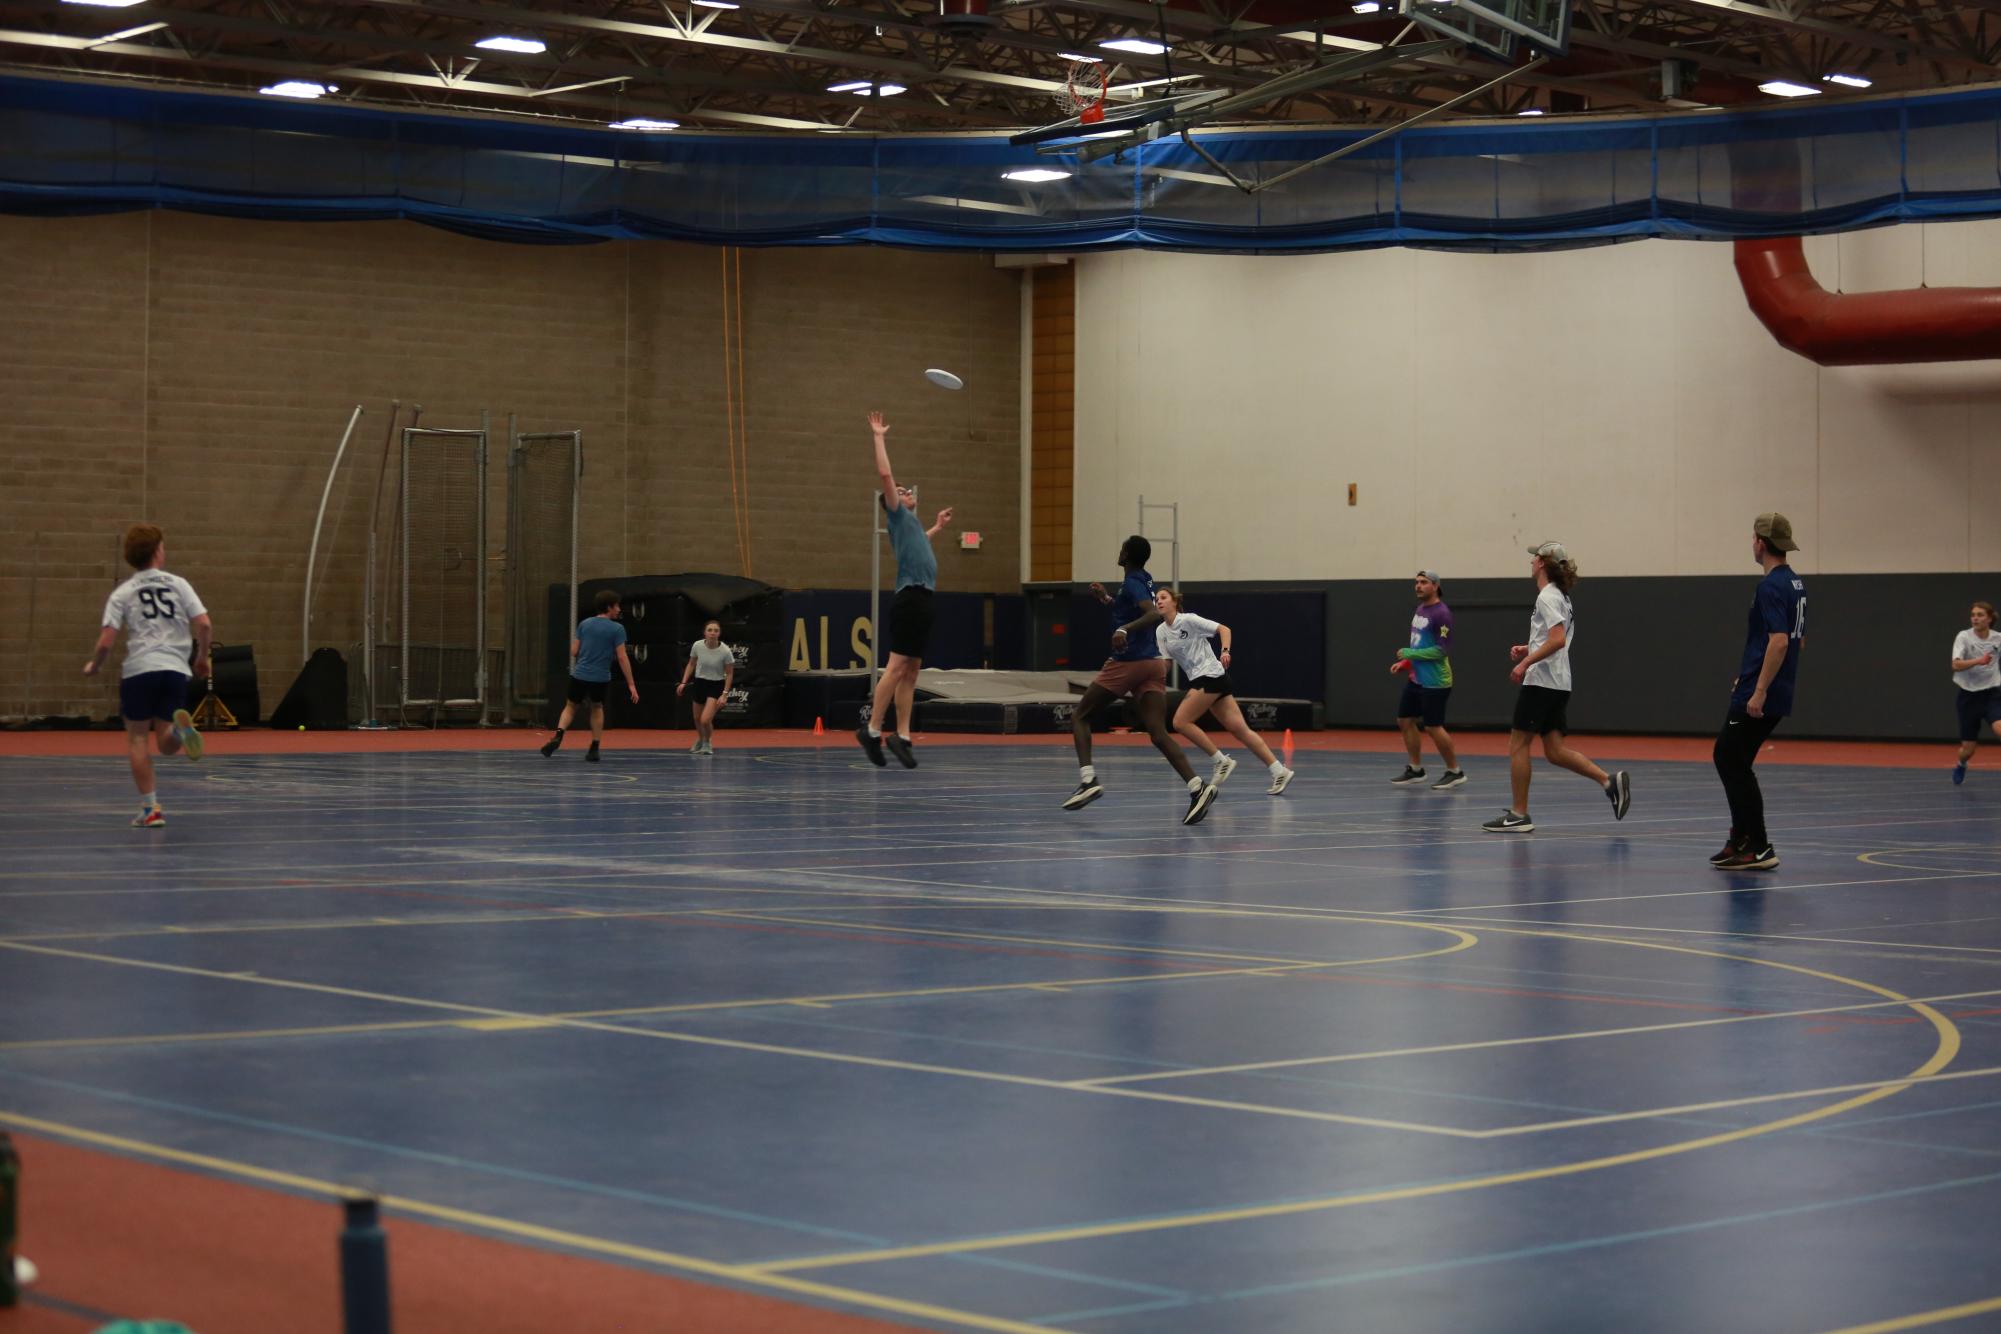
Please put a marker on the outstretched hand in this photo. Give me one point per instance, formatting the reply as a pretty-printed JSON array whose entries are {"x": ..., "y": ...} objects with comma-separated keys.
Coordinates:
[
  {"x": 877, "y": 424},
  {"x": 944, "y": 516}
]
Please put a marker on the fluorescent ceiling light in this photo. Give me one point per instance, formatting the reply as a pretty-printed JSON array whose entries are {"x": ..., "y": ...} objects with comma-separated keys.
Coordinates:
[
  {"x": 855, "y": 86},
  {"x": 1367, "y": 6},
  {"x": 1035, "y": 175},
  {"x": 641, "y": 123},
  {"x": 105, "y": 4},
  {"x": 527, "y": 46},
  {"x": 1846, "y": 80},
  {"x": 1139, "y": 46},
  {"x": 715, "y": 4},
  {"x": 1781, "y": 88},
  {"x": 296, "y": 88},
  {"x": 1532, "y": 111},
  {"x": 1081, "y": 59},
  {"x": 862, "y": 88}
]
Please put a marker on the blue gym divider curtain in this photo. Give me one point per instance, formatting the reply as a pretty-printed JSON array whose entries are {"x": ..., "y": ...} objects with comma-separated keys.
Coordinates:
[{"x": 75, "y": 148}]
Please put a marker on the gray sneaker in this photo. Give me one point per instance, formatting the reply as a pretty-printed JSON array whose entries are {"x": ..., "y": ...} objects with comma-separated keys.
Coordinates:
[
  {"x": 1453, "y": 778},
  {"x": 1223, "y": 767},
  {"x": 1507, "y": 822},
  {"x": 1407, "y": 777},
  {"x": 1279, "y": 781}
]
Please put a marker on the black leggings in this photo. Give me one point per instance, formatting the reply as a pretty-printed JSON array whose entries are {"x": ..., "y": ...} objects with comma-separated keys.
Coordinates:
[{"x": 1737, "y": 747}]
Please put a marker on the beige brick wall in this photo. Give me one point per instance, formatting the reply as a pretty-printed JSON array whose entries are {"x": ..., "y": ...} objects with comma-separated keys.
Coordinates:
[{"x": 198, "y": 372}]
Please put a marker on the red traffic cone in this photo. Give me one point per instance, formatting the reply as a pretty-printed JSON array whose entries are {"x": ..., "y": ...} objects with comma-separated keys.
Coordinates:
[{"x": 819, "y": 727}]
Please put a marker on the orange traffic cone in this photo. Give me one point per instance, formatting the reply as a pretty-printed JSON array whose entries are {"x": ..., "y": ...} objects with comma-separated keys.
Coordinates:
[
  {"x": 1286, "y": 745},
  {"x": 819, "y": 727}
]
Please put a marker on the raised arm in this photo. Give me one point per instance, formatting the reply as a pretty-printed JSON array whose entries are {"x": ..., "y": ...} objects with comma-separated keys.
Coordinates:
[
  {"x": 944, "y": 517},
  {"x": 880, "y": 428}
]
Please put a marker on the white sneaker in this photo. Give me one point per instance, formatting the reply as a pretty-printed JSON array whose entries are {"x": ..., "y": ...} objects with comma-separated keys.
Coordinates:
[
  {"x": 1278, "y": 782},
  {"x": 1222, "y": 769}
]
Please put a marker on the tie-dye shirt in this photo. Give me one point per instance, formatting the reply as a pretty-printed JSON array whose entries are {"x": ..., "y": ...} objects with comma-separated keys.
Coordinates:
[{"x": 1430, "y": 645}]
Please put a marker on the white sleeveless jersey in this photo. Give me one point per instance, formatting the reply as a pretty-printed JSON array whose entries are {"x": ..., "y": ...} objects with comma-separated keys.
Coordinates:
[{"x": 156, "y": 611}]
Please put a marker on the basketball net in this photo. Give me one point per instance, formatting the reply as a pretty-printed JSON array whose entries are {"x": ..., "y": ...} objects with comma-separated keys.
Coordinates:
[{"x": 1084, "y": 93}]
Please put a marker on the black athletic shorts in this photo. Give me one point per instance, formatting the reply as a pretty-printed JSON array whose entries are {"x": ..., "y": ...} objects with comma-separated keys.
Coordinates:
[
  {"x": 910, "y": 616},
  {"x": 593, "y": 691},
  {"x": 1976, "y": 707},
  {"x": 152, "y": 695},
  {"x": 1539, "y": 710},
  {"x": 1214, "y": 685},
  {"x": 1425, "y": 703},
  {"x": 703, "y": 689}
]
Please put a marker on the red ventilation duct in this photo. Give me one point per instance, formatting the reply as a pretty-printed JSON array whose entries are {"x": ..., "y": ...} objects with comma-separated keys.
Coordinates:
[{"x": 1864, "y": 328}]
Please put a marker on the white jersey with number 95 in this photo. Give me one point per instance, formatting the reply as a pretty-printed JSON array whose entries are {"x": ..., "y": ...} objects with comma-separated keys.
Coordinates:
[{"x": 156, "y": 611}]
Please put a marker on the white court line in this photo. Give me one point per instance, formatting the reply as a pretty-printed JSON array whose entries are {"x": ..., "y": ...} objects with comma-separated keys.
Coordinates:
[{"x": 1488, "y": 1044}]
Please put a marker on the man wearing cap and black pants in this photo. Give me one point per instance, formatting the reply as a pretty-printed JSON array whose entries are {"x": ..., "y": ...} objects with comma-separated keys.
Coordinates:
[
  {"x": 1762, "y": 694},
  {"x": 1429, "y": 663}
]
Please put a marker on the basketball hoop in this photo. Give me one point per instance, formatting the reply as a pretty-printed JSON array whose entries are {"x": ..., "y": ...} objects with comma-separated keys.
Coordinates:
[{"x": 1084, "y": 93}]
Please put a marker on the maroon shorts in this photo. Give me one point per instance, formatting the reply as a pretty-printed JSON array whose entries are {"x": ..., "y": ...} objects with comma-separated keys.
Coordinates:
[{"x": 1134, "y": 677}]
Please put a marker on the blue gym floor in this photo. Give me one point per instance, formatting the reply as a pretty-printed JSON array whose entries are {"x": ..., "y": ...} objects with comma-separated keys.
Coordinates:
[{"x": 924, "y": 1046}]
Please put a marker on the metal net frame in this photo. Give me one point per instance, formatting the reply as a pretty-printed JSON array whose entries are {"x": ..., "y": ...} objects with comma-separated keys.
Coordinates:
[
  {"x": 545, "y": 473},
  {"x": 441, "y": 549}
]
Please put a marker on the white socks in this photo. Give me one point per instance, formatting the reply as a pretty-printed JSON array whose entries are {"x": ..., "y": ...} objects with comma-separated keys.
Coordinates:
[
  {"x": 1194, "y": 785},
  {"x": 874, "y": 731},
  {"x": 1088, "y": 773},
  {"x": 148, "y": 800},
  {"x": 1277, "y": 768}
]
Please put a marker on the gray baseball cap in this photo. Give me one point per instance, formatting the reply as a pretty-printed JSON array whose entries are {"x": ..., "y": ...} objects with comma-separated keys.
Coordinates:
[
  {"x": 1432, "y": 575},
  {"x": 1553, "y": 551}
]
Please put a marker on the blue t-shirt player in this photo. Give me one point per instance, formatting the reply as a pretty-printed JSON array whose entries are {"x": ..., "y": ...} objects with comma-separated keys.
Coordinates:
[
  {"x": 910, "y": 611},
  {"x": 599, "y": 642},
  {"x": 1137, "y": 671},
  {"x": 1762, "y": 692}
]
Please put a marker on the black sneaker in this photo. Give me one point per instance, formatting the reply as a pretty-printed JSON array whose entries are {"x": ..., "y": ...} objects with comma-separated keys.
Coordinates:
[
  {"x": 1620, "y": 790},
  {"x": 1085, "y": 794},
  {"x": 1748, "y": 858},
  {"x": 1453, "y": 778},
  {"x": 1507, "y": 822},
  {"x": 1199, "y": 804},
  {"x": 1408, "y": 776},
  {"x": 1727, "y": 851},
  {"x": 900, "y": 747},
  {"x": 553, "y": 742},
  {"x": 871, "y": 746},
  {"x": 592, "y": 753}
]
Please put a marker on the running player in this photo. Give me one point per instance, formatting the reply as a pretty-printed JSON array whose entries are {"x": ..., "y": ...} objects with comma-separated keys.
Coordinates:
[
  {"x": 1184, "y": 638},
  {"x": 712, "y": 664},
  {"x": 1979, "y": 682},
  {"x": 164, "y": 622},
  {"x": 1542, "y": 670},
  {"x": 599, "y": 640},
  {"x": 910, "y": 614},
  {"x": 1136, "y": 670},
  {"x": 1429, "y": 662},
  {"x": 1762, "y": 694}
]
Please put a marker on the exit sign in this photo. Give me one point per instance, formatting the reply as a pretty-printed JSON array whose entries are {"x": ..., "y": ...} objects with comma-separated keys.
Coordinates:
[{"x": 969, "y": 541}]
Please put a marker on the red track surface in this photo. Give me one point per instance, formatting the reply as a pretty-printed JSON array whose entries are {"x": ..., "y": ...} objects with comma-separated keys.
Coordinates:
[
  {"x": 138, "y": 1240},
  {"x": 262, "y": 741}
]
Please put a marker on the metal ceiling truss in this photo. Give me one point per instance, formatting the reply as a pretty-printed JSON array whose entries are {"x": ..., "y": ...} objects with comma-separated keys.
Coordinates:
[{"x": 770, "y": 64}]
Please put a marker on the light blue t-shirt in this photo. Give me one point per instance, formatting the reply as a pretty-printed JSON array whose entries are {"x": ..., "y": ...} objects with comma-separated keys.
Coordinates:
[
  {"x": 916, "y": 562},
  {"x": 597, "y": 642}
]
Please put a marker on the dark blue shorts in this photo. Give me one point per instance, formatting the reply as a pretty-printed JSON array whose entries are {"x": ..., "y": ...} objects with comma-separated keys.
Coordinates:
[
  {"x": 1976, "y": 707},
  {"x": 151, "y": 695},
  {"x": 1426, "y": 703}
]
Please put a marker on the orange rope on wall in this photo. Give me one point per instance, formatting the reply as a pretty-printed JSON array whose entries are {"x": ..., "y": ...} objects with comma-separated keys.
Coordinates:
[
  {"x": 737, "y": 515},
  {"x": 743, "y": 414}
]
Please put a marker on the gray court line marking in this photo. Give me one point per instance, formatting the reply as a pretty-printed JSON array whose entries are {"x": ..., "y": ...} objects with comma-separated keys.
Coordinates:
[
  {"x": 1491, "y": 1043},
  {"x": 696, "y": 1039},
  {"x": 1762, "y": 886}
]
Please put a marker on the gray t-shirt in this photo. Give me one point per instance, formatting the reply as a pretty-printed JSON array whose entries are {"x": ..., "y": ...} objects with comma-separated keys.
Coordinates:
[
  {"x": 916, "y": 562},
  {"x": 711, "y": 663}
]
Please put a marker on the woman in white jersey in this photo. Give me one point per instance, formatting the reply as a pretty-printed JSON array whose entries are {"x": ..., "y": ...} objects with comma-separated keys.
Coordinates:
[
  {"x": 1184, "y": 638},
  {"x": 712, "y": 665},
  {"x": 1542, "y": 670},
  {"x": 165, "y": 624},
  {"x": 1975, "y": 672}
]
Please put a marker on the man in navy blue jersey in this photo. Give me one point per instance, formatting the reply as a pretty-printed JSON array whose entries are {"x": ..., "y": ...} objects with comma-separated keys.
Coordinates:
[{"x": 1762, "y": 693}]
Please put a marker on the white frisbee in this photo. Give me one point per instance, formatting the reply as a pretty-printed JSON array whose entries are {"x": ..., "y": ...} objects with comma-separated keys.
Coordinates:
[
  {"x": 944, "y": 379},
  {"x": 25, "y": 1272}
]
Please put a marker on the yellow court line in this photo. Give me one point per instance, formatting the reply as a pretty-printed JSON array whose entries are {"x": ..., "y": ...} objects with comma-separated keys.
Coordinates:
[
  {"x": 1488, "y": 1044},
  {"x": 1895, "y": 1083},
  {"x": 347, "y": 924},
  {"x": 1942, "y": 1056},
  {"x": 240, "y": 1034},
  {"x": 1923, "y": 1318},
  {"x": 738, "y": 1044},
  {"x": 528, "y": 1231}
]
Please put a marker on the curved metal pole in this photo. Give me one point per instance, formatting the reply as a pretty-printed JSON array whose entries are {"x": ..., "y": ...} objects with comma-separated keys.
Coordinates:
[{"x": 313, "y": 551}]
